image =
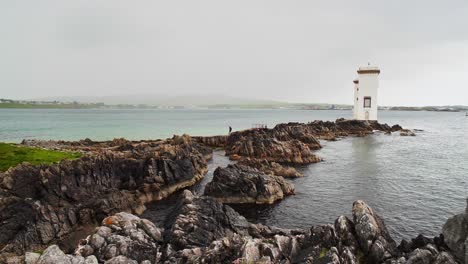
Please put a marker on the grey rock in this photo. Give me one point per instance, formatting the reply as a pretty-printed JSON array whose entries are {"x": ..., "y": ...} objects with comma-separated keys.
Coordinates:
[
  {"x": 420, "y": 256},
  {"x": 121, "y": 260},
  {"x": 407, "y": 132},
  {"x": 103, "y": 231},
  {"x": 372, "y": 233},
  {"x": 97, "y": 241},
  {"x": 250, "y": 251},
  {"x": 455, "y": 233},
  {"x": 151, "y": 229},
  {"x": 243, "y": 184},
  {"x": 91, "y": 260},
  {"x": 31, "y": 257},
  {"x": 53, "y": 255},
  {"x": 84, "y": 250},
  {"x": 125, "y": 235},
  {"x": 444, "y": 258},
  {"x": 201, "y": 220}
]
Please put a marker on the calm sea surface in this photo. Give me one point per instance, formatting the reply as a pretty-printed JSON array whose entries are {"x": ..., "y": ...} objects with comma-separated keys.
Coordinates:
[{"x": 415, "y": 183}]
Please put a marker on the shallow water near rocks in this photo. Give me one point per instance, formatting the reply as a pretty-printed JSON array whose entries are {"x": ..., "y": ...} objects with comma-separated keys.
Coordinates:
[{"x": 414, "y": 183}]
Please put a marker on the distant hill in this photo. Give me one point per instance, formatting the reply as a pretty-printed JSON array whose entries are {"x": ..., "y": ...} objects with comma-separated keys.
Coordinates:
[
  {"x": 187, "y": 102},
  {"x": 161, "y": 100}
]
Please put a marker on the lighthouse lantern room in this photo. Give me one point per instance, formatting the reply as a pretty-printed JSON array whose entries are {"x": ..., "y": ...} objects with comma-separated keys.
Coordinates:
[{"x": 365, "y": 93}]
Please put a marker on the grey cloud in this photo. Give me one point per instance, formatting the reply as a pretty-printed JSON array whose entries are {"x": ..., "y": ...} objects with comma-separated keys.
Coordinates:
[{"x": 301, "y": 51}]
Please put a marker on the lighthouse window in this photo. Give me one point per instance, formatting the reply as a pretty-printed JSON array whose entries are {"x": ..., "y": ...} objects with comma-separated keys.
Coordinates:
[{"x": 367, "y": 102}]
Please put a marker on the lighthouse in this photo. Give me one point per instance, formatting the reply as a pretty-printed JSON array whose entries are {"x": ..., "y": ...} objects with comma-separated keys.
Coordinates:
[{"x": 365, "y": 93}]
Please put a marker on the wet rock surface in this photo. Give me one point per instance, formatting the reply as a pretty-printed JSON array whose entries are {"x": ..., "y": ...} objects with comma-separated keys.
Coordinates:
[
  {"x": 44, "y": 204},
  {"x": 242, "y": 184}
]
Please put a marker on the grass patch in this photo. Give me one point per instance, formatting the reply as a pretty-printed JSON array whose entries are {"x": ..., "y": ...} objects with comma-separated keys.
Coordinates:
[
  {"x": 12, "y": 155},
  {"x": 323, "y": 252}
]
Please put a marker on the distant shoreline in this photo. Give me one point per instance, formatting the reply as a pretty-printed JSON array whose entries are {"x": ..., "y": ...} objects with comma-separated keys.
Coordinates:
[
  {"x": 15, "y": 104},
  {"x": 111, "y": 107}
]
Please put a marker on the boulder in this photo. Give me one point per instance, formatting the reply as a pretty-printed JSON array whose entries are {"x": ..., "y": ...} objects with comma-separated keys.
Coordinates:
[
  {"x": 406, "y": 133},
  {"x": 455, "y": 233},
  {"x": 31, "y": 257},
  {"x": 242, "y": 184},
  {"x": 198, "y": 221},
  {"x": 53, "y": 255},
  {"x": 372, "y": 234},
  {"x": 123, "y": 235}
]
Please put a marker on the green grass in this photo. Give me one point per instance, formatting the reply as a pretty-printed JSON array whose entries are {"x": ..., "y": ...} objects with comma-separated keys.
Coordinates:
[{"x": 12, "y": 155}]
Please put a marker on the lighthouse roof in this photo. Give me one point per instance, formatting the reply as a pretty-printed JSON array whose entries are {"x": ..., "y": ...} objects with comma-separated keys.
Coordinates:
[{"x": 368, "y": 69}]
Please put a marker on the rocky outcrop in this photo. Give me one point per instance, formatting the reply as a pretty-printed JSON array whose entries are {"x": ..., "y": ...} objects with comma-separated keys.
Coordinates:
[
  {"x": 294, "y": 142},
  {"x": 455, "y": 233},
  {"x": 243, "y": 184},
  {"x": 117, "y": 144},
  {"x": 271, "y": 168},
  {"x": 45, "y": 204},
  {"x": 123, "y": 236},
  {"x": 372, "y": 235},
  {"x": 406, "y": 133},
  {"x": 212, "y": 141},
  {"x": 258, "y": 144},
  {"x": 202, "y": 230},
  {"x": 198, "y": 221}
]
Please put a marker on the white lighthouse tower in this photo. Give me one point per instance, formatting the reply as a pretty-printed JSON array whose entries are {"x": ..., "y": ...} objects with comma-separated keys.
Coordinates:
[{"x": 365, "y": 93}]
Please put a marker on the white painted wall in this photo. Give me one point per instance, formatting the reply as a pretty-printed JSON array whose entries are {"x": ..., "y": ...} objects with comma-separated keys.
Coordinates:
[
  {"x": 356, "y": 88},
  {"x": 367, "y": 87}
]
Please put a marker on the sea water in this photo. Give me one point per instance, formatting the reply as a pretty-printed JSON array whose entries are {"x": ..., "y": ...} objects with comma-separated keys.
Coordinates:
[{"x": 414, "y": 183}]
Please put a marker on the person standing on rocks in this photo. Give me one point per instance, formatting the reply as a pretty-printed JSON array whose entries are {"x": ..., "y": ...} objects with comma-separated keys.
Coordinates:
[{"x": 230, "y": 129}]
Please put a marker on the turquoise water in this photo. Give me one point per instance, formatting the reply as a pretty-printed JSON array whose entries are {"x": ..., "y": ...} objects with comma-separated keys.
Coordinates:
[
  {"x": 96, "y": 124},
  {"x": 415, "y": 183}
]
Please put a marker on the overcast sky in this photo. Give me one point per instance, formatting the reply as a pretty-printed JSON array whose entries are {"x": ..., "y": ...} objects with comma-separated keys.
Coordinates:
[{"x": 297, "y": 51}]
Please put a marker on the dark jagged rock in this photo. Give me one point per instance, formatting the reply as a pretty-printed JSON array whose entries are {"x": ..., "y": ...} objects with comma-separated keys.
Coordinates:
[
  {"x": 372, "y": 234},
  {"x": 259, "y": 144},
  {"x": 406, "y": 133},
  {"x": 396, "y": 128},
  {"x": 200, "y": 220},
  {"x": 455, "y": 233},
  {"x": 203, "y": 230},
  {"x": 271, "y": 168},
  {"x": 43, "y": 204},
  {"x": 242, "y": 184},
  {"x": 294, "y": 142},
  {"x": 213, "y": 141},
  {"x": 122, "y": 238}
]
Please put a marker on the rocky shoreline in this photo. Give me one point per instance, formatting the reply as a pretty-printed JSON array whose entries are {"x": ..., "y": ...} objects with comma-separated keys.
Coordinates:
[
  {"x": 44, "y": 205},
  {"x": 204, "y": 230}
]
